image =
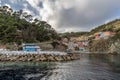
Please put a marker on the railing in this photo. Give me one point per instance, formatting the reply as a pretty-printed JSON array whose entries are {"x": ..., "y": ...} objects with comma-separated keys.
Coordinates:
[{"x": 7, "y": 52}]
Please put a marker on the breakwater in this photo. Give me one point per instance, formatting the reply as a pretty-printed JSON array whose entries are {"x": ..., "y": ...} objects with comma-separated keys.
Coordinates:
[{"x": 36, "y": 56}]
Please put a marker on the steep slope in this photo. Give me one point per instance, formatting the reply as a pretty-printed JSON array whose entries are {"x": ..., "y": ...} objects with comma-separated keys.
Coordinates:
[
  {"x": 111, "y": 26},
  {"x": 19, "y": 26}
]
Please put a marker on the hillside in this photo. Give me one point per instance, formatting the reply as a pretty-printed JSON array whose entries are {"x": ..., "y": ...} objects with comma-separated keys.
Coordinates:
[
  {"x": 19, "y": 26},
  {"x": 74, "y": 34},
  {"x": 111, "y": 26},
  {"x": 112, "y": 44}
]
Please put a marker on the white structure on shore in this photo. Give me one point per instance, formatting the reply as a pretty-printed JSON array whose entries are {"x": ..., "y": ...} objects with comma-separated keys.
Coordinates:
[{"x": 8, "y": 52}]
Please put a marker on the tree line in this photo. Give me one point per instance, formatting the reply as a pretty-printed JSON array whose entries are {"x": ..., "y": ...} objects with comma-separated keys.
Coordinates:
[{"x": 19, "y": 26}]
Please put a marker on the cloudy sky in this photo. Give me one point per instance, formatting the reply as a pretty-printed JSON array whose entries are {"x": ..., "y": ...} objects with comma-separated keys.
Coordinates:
[{"x": 69, "y": 15}]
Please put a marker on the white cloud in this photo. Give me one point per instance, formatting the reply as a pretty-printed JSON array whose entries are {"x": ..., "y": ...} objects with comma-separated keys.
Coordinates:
[
  {"x": 25, "y": 5},
  {"x": 8, "y": 5},
  {"x": 72, "y": 15},
  {"x": 0, "y": 2},
  {"x": 28, "y": 11},
  {"x": 14, "y": 1},
  {"x": 34, "y": 3},
  {"x": 78, "y": 15}
]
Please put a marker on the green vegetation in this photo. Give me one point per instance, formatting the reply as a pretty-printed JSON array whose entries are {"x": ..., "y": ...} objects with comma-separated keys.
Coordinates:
[
  {"x": 116, "y": 37},
  {"x": 19, "y": 26},
  {"x": 101, "y": 45},
  {"x": 111, "y": 26},
  {"x": 74, "y": 34},
  {"x": 105, "y": 44}
]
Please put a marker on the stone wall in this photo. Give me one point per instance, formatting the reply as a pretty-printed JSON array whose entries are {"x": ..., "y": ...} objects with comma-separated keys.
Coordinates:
[{"x": 39, "y": 57}]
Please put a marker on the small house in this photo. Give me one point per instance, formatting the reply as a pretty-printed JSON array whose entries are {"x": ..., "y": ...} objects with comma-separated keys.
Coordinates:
[
  {"x": 31, "y": 47},
  {"x": 82, "y": 46},
  {"x": 97, "y": 35},
  {"x": 104, "y": 35},
  {"x": 108, "y": 34},
  {"x": 71, "y": 46}
]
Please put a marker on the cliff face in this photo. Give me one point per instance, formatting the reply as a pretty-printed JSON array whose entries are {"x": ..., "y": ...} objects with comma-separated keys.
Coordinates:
[
  {"x": 111, "y": 44},
  {"x": 105, "y": 45},
  {"x": 99, "y": 45},
  {"x": 115, "y": 47}
]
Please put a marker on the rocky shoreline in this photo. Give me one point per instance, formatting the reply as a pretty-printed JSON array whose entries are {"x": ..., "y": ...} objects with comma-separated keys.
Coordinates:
[{"x": 39, "y": 57}]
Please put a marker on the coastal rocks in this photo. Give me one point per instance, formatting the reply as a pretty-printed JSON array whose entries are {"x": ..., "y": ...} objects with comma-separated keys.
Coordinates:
[
  {"x": 115, "y": 48},
  {"x": 58, "y": 58},
  {"x": 39, "y": 57}
]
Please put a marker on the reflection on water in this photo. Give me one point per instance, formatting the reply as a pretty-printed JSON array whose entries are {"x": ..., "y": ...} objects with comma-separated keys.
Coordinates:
[
  {"x": 89, "y": 67},
  {"x": 24, "y": 70}
]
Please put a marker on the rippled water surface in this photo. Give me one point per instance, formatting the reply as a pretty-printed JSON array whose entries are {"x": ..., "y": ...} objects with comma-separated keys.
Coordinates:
[
  {"x": 89, "y": 67},
  {"x": 24, "y": 70},
  {"x": 94, "y": 67}
]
